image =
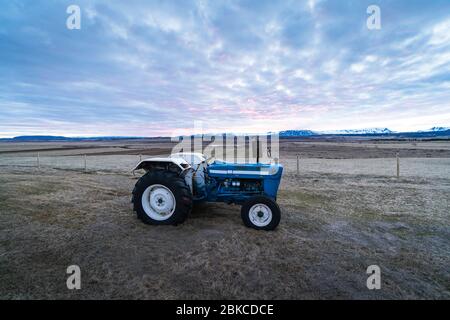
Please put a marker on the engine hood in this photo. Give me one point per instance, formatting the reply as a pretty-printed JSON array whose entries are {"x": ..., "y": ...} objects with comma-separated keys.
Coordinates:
[{"x": 256, "y": 169}]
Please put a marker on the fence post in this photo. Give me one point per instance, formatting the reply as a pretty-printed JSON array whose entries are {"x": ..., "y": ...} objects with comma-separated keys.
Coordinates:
[
  {"x": 38, "y": 162},
  {"x": 298, "y": 165},
  {"x": 85, "y": 164},
  {"x": 398, "y": 165}
]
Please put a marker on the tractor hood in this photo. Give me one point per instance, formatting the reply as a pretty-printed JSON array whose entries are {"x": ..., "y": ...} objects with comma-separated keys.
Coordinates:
[
  {"x": 244, "y": 169},
  {"x": 268, "y": 174}
]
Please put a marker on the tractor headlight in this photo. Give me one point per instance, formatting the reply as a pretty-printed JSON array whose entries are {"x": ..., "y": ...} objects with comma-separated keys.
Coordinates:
[{"x": 273, "y": 170}]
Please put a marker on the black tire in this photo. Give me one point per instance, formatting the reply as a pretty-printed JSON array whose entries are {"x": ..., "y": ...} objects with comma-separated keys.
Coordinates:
[
  {"x": 273, "y": 206},
  {"x": 172, "y": 181}
]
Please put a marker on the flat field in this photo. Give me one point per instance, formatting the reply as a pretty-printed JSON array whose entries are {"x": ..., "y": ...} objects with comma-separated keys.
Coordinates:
[{"x": 343, "y": 211}]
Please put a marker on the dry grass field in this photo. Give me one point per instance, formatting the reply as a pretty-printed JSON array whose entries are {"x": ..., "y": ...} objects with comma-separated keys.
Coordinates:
[{"x": 346, "y": 210}]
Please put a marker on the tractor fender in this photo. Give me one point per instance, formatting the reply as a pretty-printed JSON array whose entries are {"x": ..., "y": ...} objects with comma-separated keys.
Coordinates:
[
  {"x": 156, "y": 163},
  {"x": 171, "y": 164}
]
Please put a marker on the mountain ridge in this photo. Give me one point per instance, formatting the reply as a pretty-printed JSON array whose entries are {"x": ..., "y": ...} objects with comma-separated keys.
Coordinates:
[{"x": 434, "y": 131}]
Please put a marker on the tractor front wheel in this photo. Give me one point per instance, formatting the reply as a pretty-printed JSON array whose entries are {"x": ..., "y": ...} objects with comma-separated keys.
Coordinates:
[{"x": 261, "y": 213}]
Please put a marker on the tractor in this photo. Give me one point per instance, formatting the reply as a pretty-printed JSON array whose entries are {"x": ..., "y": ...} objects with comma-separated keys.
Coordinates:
[{"x": 171, "y": 186}]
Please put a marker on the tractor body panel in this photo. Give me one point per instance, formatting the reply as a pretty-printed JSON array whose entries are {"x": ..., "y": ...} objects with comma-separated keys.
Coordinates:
[{"x": 235, "y": 183}]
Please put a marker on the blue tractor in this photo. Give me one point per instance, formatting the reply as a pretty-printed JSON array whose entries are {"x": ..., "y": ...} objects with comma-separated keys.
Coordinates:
[{"x": 172, "y": 185}]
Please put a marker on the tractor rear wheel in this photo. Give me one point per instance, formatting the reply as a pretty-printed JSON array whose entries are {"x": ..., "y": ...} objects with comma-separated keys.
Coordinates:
[
  {"x": 162, "y": 197},
  {"x": 261, "y": 213}
]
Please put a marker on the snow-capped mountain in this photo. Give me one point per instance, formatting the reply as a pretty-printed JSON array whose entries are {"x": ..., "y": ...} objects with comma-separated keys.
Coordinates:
[
  {"x": 435, "y": 129},
  {"x": 360, "y": 131},
  {"x": 297, "y": 133},
  {"x": 430, "y": 133}
]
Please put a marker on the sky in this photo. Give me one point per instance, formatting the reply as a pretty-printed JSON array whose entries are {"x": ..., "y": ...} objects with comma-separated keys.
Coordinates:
[{"x": 148, "y": 68}]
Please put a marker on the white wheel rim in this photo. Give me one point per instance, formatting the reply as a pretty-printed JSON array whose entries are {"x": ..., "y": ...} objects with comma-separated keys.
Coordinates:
[
  {"x": 158, "y": 202},
  {"x": 260, "y": 215}
]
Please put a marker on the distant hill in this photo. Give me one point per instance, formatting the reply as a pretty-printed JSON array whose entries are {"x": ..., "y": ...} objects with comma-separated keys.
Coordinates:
[
  {"x": 62, "y": 138},
  {"x": 297, "y": 133},
  {"x": 422, "y": 134},
  {"x": 40, "y": 138},
  {"x": 435, "y": 129},
  {"x": 360, "y": 131},
  {"x": 372, "y": 132}
]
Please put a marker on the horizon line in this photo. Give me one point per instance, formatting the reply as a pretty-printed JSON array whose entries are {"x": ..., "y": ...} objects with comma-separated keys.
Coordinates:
[{"x": 321, "y": 132}]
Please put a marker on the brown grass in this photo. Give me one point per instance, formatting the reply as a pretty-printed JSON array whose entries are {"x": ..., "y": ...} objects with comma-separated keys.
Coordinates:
[{"x": 333, "y": 226}]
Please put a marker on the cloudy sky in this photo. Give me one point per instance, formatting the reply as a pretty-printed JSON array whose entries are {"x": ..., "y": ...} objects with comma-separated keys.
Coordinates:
[{"x": 142, "y": 68}]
